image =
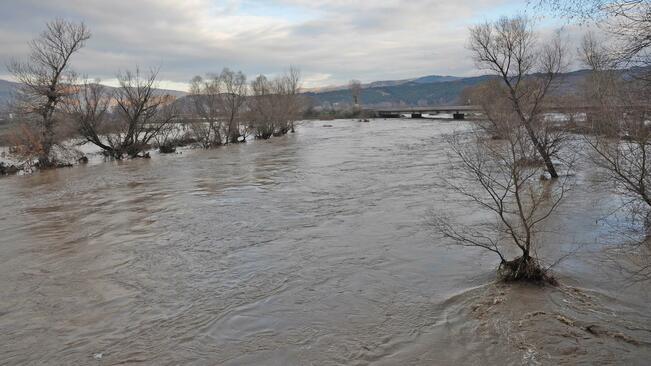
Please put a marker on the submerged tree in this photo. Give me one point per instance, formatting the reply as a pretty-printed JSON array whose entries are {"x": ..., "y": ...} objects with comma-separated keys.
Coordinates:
[
  {"x": 261, "y": 107},
  {"x": 509, "y": 49},
  {"x": 88, "y": 108},
  {"x": 621, "y": 137},
  {"x": 356, "y": 92},
  {"x": 288, "y": 87},
  {"x": 618, "y": 95},
  {"x": 206, "y": 106},
  {"x": 493, "y": 97},
  {"x": 496, "y": 178},
  {"x": 233, "y": 96},
  {"x": 217, "y": 104},
  {"x": 275, "y": 104},
  {"x": 46, "y": 79},
  {"x": 139, "y": 114}
]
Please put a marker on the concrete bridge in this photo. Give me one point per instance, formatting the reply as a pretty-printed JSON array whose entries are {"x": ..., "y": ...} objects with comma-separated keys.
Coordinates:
[{"x": 458, "y": 111}]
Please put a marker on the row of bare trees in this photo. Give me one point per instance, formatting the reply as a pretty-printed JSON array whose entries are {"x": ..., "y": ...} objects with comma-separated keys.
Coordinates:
[
  {"x": 275, "y": 104},
  {"x": 497, "y": 165},
  {"x": 122, "y": 122},
  {"x": 225, "y": 109},
  {"x": 126, "y": 120},
  {"x": 217, "y": 105}
]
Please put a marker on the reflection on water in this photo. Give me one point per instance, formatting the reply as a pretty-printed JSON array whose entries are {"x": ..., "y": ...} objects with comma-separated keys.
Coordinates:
[{"x": 309, "y": 248}]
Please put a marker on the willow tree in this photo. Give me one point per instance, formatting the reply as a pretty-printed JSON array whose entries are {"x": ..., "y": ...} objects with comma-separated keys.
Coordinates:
[
  {"x": 509, "y": 48},
  {"x": 275, "y": 104},
  {"x": 45, "y": 79},
  {"x": 233, "y": 96},
  {"x": 505, "y": 192},
  {"x": 141, "y": 114},
  {"x": 205, "y": 93},
  {"x": 123, "y": 123}
]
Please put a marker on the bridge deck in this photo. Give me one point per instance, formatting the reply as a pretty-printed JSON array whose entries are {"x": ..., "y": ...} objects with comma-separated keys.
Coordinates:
[{"x": 437, "y": 109}]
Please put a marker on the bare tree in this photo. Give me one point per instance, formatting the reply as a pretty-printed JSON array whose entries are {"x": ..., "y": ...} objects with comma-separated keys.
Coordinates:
[
  {"x": 288, "y": 88},
  {"x": 621, "y": 142},
  {"x": 233, "y": 96},
  {"x": 628, "y": 21},
  {"x": 491, "y": 97},
  {"x": 88, "y": 108},
  {"x": 508, "y": 48},
  {"x": 356, "y": 92},
  {"x": 602, "y": 88},
  {"x": 261, "y": 108},
  {"x": 170, "y": 137},
  {"x": 494, "y": 177},
  {"x": 140, "y": 114},
  {"x": 46, "y": 79},
  {"x": 207, "y": 107},
  {"x": 621, "y": 138},
  {"x": 275, "y": 104}
]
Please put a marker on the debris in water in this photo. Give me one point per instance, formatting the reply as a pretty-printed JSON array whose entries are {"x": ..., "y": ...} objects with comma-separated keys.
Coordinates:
[
  {"x": 594, "y": 329},
  {"x": 565, "y": 320}
]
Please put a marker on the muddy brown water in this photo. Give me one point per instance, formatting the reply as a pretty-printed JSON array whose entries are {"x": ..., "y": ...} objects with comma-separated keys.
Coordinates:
[{"x": 310, "y": 249}]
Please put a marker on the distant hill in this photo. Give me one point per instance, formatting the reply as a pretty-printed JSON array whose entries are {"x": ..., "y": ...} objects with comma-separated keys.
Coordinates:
[
  {"x": 443, "y": 90},
  {"x": 385, "y": 83},
  {"x": 427, "y": 90},
  {"x": 435, "y": 79}
]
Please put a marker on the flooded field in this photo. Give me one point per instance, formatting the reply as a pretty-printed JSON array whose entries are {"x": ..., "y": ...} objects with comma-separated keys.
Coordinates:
[{"x": 309, "y": 249}]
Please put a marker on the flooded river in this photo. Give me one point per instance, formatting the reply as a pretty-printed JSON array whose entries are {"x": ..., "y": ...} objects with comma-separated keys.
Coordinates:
[{"x": 309, "y": 249}]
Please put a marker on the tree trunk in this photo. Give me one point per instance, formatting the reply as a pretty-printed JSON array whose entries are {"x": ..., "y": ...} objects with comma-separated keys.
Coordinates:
[
  {"x": 532, "y": 135},
  {"x": 46, "y": 143},
  {"x": 541, "y": 150}
]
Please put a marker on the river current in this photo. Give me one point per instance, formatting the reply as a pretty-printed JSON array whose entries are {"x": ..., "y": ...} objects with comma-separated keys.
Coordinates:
[{"x": 309, "y": 249}]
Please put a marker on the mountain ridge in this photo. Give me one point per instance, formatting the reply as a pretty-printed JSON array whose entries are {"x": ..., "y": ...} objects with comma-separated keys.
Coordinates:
[
  {"x": 413, "y": 93},
  {"x": 419, "y": 91},
  {"x": 384, "y": 83}
]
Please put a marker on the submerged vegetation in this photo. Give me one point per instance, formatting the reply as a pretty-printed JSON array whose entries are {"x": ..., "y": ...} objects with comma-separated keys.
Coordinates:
[
  {"x": 319, "y": 238},
  {"x": 515, "y": 163},
  {"x": 54, "y": 105},
  {"x": 498, "y": 165}
]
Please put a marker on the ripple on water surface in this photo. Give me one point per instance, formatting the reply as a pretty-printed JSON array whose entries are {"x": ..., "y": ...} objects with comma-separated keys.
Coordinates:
[{"x": 310, "y": 248}]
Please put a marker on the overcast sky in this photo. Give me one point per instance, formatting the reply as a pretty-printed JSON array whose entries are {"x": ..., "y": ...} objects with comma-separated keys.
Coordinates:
[{"x": 331, "y": 41}]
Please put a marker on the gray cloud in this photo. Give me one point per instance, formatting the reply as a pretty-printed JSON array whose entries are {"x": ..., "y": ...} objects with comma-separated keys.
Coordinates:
[{"x": 331, "y": 41}]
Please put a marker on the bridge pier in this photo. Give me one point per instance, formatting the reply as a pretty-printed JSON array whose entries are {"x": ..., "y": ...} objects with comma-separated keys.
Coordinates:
[
  {"x": 383, "y": 114},
  {"x": 458, "y": 115}
]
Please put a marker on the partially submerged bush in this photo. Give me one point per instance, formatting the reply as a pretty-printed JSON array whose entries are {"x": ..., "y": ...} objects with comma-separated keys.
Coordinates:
[
  {"x": 167, "y": 149},
  {"x": 500, "y": 179},
  {"x": 525, "y": 269}
]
